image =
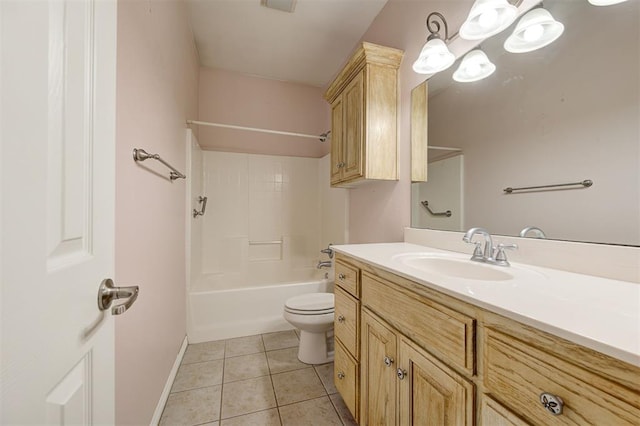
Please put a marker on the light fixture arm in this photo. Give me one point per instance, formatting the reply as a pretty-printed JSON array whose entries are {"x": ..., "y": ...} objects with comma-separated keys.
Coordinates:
[{"x": 434, "y": 26}]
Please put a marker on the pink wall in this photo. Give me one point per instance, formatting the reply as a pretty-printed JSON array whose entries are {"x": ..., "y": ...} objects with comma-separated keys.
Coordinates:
[
  {"x": 379, "y": 211},
  {"x": 157, "y": 90},
  {"x": 236, "y": 99}
]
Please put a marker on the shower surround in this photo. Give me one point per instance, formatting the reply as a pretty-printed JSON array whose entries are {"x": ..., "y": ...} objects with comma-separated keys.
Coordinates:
[{"x": 259, "y": 242}]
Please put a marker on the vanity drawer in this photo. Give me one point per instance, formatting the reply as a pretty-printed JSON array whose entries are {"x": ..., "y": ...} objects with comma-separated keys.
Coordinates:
[
  {"x": 345, "y": 377},
  {"x": 446, "y": 333},
  {"x": 347, "y": 278},
  {"x": 346, "y": 324},
  {"x": 517, "y": 373}
]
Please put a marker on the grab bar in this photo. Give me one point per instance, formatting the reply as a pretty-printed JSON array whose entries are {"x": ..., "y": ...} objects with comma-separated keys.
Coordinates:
[
  {"x": 140, "y": 154},
  {"x": 585, "y": 183},
  {"x": 203, "y": 201},
  {"x": 426, "y": 206},
  {"x": 262, "y": 243}
]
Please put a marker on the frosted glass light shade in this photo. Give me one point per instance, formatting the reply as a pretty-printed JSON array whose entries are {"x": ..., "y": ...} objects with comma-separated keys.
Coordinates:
[
  {"x": 486, "y": 18},
  {"x": 474, "y": 66},
  {"x": 605, "y": 2},
  {"x": 434, "y": 57},
  {"x": 535, "y": 30}
]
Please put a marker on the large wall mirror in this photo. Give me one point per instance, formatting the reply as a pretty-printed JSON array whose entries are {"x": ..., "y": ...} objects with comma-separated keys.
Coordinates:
[{"x": 565, "y": 113}]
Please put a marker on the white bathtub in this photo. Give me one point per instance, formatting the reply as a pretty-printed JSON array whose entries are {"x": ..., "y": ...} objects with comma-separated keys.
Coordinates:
[{"x": 222, "y": 307}]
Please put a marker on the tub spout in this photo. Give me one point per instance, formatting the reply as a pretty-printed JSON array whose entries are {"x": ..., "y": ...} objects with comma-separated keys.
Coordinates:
[{"x": 325, "y": 264}]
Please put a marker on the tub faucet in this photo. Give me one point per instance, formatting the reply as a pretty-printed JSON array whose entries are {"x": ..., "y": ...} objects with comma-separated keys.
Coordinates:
[
  {"x": 325, "y": 264},
  {"x": 478, "y": 254}
]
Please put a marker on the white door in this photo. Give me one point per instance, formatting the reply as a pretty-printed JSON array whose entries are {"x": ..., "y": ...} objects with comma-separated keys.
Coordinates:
[{"x": 57, "y": 121}]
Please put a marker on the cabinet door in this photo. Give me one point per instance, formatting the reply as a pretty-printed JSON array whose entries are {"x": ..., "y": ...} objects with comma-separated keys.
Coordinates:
[
  {"x": 353, "y": 142},
  {"x": 494, "y": 414},
  {"x": 336, "y": 140},
  {"x": 430, "y": 392},
  {"x": 378, "y": 372}
]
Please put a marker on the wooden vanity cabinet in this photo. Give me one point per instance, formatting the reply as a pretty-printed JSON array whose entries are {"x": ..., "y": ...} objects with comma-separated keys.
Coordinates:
[
  {"x": 426, "y": 358},
  {"x": 346, "y": 368},
  {"x": 401, "y": 382},
  {"x": 378, "y": 372},
  {"x": 363, "y": 100}
]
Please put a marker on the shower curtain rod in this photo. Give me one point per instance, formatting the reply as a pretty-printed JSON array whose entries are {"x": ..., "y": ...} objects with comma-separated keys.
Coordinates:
[{"x": 323, "y": 137}]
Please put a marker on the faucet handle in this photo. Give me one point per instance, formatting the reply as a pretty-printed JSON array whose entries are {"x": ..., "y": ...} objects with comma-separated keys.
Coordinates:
[
  {"x": 328, "y": 251},
  {"x": 477, "y": 251},
  {"x": 501, "y": 256}
]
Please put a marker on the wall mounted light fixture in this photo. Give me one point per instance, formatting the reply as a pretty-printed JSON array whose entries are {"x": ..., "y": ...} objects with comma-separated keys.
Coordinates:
[
  {"x": 435, "y": 55},
  {"x": 488, "y": 17},
  {"x": 474, "y": 66},
  {"x": 536, "y": 29}
]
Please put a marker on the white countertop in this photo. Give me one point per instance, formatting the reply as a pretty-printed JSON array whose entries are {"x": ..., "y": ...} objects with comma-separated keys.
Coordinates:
[{"x": 599, "y": 313}]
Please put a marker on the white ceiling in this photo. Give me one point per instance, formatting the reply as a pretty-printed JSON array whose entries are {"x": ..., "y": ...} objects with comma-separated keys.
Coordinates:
[{"x": 306, "y": 46}]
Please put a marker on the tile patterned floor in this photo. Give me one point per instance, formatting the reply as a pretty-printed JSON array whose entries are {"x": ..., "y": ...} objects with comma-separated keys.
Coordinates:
[{"x": 253, "y": 381}]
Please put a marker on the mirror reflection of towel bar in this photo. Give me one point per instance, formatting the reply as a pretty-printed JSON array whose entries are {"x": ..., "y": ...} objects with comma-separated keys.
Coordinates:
[{"x": 585, "y": 183}]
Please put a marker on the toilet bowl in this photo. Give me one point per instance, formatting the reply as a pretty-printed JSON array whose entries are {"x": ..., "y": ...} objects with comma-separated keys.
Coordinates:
[{"x": 312, "y": 314}]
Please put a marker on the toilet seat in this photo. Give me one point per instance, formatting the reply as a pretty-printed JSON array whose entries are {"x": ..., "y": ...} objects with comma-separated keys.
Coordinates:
[{"x": 311, "y": 304}]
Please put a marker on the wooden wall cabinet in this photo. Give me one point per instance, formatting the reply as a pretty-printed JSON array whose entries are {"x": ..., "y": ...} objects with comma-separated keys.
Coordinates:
[
  {"x": 426, "y": 358},
  {"x": 364, "y": 98}
]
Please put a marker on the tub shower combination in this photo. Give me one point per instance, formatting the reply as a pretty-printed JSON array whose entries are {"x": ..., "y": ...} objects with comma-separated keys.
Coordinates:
[{"x": 238, "y": 286}]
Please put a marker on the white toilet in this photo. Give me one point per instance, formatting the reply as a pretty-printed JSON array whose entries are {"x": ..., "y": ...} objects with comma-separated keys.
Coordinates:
[{"x": 312, "y": 314}]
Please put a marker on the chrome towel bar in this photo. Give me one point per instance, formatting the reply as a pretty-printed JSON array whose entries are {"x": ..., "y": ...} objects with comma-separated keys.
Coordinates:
[
  {"x": 140, "y": 154},
  {"x": 585, "y": 183}
]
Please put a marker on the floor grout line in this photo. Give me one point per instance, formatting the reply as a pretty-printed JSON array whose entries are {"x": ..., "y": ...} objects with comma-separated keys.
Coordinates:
[{"x": 271, "y": 375}]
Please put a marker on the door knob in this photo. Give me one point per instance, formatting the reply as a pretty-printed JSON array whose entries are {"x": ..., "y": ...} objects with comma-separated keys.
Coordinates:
[{"x": 109, "y": 293}]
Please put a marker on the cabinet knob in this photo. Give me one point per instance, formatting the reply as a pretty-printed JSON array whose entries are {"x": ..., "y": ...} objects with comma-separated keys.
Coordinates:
[
  {"x": 340, "y": 318},
  {"x": 388, "y": 361},
  {"x": 552, "y": 403},
  {"x": 341, "y": 375},
  {"x": 341, "y": 277},
  {"x": 401, "y": 373}
]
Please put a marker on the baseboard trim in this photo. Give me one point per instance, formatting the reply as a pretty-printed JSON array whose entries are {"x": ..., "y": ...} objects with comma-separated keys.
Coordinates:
[{"x": 167, "y": 387}]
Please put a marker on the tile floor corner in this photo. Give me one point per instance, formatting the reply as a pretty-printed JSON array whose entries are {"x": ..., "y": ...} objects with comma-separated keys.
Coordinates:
[{"x": 253, "y": 381}]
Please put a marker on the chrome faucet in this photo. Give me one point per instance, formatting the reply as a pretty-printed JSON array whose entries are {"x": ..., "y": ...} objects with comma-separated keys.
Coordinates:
[
  {"x": 478, "y": 254},
  {"x": 538, "y": 233},
  {"x": 491, "y": 254},
  {"x": 325, "y": 264}
]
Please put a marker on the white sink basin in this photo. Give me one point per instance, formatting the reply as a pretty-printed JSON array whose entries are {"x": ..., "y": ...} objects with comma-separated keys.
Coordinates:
[
  {"x": 459, "y": 268},
  {"x": 463, "y": 267}
]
